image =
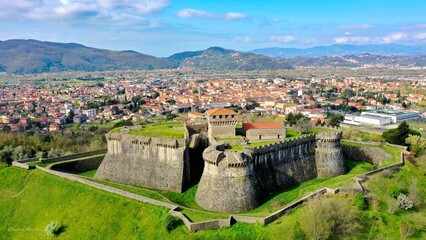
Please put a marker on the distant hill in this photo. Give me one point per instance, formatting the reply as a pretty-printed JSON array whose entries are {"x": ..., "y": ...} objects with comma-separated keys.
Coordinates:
[
  {"x": 362, "y": 60},
  {"x": 344, "y": 49},
  {"x": 32, "y": 56},
  {"x": 217, "y": 58}
]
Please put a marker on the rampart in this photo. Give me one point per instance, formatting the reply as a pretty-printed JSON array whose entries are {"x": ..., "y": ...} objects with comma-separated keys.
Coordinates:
[
  {"x": 240, "y": 181},
  {"x": 153, "y": 162},
  {"x": 73, "y": 156}
]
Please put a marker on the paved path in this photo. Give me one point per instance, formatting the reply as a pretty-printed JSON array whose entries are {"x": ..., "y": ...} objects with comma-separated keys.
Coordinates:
[{"x": 123, "y": 193}]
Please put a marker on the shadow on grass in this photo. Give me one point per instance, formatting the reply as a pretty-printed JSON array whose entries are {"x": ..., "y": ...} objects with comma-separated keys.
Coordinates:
[{"x": 60, "y": 230}]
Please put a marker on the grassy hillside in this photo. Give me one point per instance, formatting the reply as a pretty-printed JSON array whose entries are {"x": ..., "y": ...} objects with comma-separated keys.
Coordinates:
[{"x": 30, "y": 200}]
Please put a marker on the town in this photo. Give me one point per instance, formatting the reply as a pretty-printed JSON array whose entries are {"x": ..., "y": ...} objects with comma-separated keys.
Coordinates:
[{"x": 55, "y": 105}]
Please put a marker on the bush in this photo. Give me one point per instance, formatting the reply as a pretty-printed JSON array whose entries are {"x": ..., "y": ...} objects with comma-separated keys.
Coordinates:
[
  {"x": 392, "y": 206},
  {"x": 403, "y": 202},
  {"x": 171, "y": 223},
  {"x": 360, "y": 202},
  {"x": 329, "y": 218},
  {"x": 51, "y": 228},
  {"x": 394, "y": 191},
  {"x": 407, "y": 229},
  {"x": 386, "y": 173}
]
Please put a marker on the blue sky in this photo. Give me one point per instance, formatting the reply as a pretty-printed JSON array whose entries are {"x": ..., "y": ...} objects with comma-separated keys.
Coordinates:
[{"x": 164, "y": 27}]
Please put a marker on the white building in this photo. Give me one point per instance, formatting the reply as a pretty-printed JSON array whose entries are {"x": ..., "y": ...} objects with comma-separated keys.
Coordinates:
[{"x": 380, "y": 117}]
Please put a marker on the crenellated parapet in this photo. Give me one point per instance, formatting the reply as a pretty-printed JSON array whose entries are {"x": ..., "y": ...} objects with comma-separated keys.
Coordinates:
[
  {"x": 328, "y": 155},
  {"x": 155, "y": 162},
  {"x": 235, "y": 181}
]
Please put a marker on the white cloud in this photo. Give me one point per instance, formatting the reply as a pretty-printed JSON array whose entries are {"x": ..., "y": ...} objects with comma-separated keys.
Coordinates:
[
  {"x": 53, "y": 10},
  {"x": 357, "y": 26},
  {"x": 394, "y": 37},
  {"x": 340, "y": 40},
  {"x": 348, "y": 33},
  {"x": 195, "y": 13},
  {"x": 420, "y": 36},
  {"x": 358, "y": 40},
  {"x": 283, "y": 39},
  {"x": 234, "y": 16},
  {"x": 243, "y": 39}
]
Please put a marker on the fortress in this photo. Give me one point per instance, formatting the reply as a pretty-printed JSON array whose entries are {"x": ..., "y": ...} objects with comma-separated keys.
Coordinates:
[{"x": 231, "y": 181}]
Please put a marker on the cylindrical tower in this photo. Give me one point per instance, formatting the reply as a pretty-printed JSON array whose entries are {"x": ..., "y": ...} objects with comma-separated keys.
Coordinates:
[
  {"x": 228, "y": 183},
  {"x": 328, "y": 155}
]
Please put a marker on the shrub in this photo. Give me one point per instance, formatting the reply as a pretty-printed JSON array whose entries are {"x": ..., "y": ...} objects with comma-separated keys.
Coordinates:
[
  {"x": 392, "y": 206},
  {"x": 414, "y": 194},
  {"x": 407, "y": 229},
  {"x": 329, "y": 218},
  {"x": 403, "y": 202},
  {"x": 277, "y": 204},
  {"x": 51, "y": 228},
  {"x": 171, "y": 223},
  {"x": 360, "y": 202},
  {"x": 394, "y": 190},
  {"x": 386, "y": 173}
]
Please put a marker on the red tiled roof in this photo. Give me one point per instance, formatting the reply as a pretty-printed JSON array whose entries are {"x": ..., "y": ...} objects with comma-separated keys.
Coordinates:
[
  {"x": 221, "y": 111},
  {"x": 266, "y": 125}
]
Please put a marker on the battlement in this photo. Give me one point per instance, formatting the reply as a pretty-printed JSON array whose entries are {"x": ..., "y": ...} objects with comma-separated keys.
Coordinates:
[
  {"x": 329, "y": 137},
  {"x": 286, "y": 143},
  {"x": 242, "y": 177}
]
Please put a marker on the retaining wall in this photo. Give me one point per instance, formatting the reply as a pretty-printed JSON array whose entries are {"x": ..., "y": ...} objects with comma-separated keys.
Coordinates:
[{"x": 73, "y": 156}]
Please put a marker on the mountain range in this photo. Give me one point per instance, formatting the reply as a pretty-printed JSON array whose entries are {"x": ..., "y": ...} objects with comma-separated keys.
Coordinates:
[
  {"x": 33, "y": 56},
  {"x": 344, "y": 49}
]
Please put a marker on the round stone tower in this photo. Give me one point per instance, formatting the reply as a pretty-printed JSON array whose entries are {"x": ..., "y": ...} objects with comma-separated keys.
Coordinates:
[
  {"x": 328, "y": 155},
  {"x": 228, "y": 183}
]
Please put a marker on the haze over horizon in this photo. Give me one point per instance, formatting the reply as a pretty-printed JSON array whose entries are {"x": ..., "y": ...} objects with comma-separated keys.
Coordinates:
[{"x": 163, "y": 27}]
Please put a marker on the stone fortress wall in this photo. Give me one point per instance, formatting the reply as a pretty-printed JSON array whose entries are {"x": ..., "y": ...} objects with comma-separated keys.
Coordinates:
[
  {"x": 240, "y": 181},
  {"x": 152, "y": 162}
]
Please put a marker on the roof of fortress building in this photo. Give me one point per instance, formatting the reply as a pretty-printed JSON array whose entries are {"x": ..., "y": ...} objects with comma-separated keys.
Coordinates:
[
  {"x": 221, "y": 111},
  {"x": 265, "y": 125}
]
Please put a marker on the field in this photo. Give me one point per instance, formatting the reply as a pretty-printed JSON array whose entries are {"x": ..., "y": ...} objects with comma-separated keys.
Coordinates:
[{"x": 170, "y": 130}]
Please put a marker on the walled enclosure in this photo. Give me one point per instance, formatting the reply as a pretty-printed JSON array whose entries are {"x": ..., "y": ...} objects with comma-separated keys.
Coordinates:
[
  {"x": 371, "y": 155},
  {"x": 240, "y": 181},
  {"x": 154, "y": 162}
]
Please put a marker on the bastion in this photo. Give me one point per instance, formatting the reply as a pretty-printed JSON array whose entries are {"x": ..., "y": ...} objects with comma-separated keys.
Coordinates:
[
  {"x": 160, "y": 162},
  {"x": 240, "y": 181},
  {"x": 175, "y": 156}
]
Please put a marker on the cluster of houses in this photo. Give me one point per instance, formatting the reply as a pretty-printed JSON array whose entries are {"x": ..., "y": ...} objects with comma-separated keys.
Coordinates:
[{"x": 48, "y": 106}]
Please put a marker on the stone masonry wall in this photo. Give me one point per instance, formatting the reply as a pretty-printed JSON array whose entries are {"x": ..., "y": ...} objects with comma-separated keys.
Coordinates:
[
  {"x": 160, "y": 163},
  {"x": 328, "y": 155},
  {"x": 240, "y": 181},
  {"x": 372, "y": 155},
  {"x": 265, "y": 134}
]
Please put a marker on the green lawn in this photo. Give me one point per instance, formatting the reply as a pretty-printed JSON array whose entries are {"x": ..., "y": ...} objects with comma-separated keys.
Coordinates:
[
  {"x": 173, "y": 130},
  {"x": 30, "y": 200},
  {"x": 90, "y": 173}
]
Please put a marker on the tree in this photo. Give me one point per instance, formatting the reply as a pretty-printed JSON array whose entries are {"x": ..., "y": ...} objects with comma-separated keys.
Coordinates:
[
  {"x": 329, "y": 218},
  {"x": 292, "y": 118},
  {"x": 6, "y": 155},
  {"x": 334, "y": 120},
  {"x": 70, "y": 116},
  {"x": 303, "y": 124},
  {"x": 6, "y": 128},
  {"x": 417, "y": 144},
  {"x": 399, "y": 134}
]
